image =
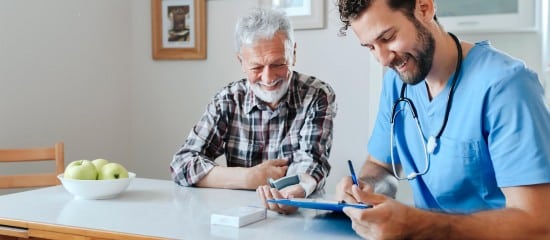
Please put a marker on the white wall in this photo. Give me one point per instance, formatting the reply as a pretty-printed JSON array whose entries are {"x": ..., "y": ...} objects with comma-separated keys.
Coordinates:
[
  {"x": 64, "y": 76},
  {"x": 81, "y": 71},
  {"x": 545, "y": 29}
]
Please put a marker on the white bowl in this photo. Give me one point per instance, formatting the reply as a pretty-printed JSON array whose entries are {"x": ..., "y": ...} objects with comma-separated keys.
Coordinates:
[{"x": 96, "y": 189}]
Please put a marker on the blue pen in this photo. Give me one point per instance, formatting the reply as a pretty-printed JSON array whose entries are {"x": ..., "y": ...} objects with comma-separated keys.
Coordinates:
[{"x": 352, "y": 172}]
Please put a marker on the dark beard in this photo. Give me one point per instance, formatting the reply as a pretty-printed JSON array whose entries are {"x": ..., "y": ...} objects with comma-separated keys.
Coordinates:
[{"x": 424, "y": 58}]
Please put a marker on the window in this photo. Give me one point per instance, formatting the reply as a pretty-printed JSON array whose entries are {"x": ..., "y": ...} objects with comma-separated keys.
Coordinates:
[{"x": 488, "y": 15}]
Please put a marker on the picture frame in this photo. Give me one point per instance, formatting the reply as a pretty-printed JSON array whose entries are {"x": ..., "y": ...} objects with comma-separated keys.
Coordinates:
[
  {"x": 304, "y": 14},
  {"x": 178, "y": 29}
]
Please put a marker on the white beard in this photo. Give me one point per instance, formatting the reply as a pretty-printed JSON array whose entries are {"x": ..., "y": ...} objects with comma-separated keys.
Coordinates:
[{"x": 271, "y": 96}]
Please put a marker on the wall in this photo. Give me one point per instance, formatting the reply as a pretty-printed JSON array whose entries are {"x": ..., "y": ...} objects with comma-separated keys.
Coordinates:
[
  {"x": 545, "y": 29},
  {"x": 64, "y": 76},
  {"x": 81, "y": 71}
]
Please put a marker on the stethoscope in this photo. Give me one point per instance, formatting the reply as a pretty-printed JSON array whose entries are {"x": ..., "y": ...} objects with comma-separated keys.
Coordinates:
[{"x": 430, "y": 146}]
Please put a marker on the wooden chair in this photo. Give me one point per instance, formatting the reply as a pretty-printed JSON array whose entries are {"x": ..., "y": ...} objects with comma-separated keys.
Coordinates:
[{"x": 55, "y": 153}]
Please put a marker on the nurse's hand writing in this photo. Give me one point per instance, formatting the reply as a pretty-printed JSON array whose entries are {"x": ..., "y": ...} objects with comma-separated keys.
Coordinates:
[
  {"x": 266, "y": 192},
  {"x": 386, "y": 220},
  {"x": 258, "y": 175},
  {"x": 344, "y": 193}
]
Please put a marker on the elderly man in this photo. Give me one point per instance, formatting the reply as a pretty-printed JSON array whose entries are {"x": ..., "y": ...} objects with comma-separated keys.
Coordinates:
[{"x": 274, "y": 123}]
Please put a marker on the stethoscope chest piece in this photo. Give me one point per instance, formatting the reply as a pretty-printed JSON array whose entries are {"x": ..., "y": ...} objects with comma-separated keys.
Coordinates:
[{"x": 432, "y": 144}]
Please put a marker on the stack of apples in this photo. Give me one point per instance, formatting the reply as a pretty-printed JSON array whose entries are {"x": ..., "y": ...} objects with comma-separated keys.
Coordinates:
[{"x": 98, "y": 169}]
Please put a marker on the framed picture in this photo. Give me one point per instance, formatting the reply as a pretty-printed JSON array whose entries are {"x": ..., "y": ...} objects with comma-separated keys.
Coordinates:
[
  {"x": 304, "y": 14},
  {"x": 179, "y": 29}
]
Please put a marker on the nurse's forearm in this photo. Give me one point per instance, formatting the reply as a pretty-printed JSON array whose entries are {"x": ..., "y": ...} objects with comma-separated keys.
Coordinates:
[
  {"x": 496, "y": 224},
  {"x": 376, "y": 174}
]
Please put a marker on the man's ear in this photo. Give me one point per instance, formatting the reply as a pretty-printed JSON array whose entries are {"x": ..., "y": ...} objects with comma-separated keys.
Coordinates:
[
  {"x": 239, "y": 58},
  {"x": 424, "y": 10},
  {"x": 294, "y": 55}
]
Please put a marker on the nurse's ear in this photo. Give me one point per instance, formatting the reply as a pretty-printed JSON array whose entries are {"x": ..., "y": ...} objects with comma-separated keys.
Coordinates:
[{"x": 424, "y": 10}]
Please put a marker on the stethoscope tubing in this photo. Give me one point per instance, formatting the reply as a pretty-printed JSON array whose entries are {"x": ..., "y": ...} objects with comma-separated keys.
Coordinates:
[
  {"x": 433, "y": 139},
  {"x": 412, "y": 175}
]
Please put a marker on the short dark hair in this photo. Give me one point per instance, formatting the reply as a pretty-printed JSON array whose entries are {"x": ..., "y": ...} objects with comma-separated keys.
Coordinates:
[{"x": 351, "y": 9}]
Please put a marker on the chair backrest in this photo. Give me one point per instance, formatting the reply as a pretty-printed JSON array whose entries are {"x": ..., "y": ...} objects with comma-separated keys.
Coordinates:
[{"x": 55, "y": 153}]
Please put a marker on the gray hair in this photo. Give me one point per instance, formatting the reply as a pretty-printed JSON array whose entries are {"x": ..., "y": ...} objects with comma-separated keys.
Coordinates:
[{"x": 264, "y": 24}]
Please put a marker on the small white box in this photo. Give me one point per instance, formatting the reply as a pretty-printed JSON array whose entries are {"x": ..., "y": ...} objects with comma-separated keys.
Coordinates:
[{"x": 238, "y": 216}]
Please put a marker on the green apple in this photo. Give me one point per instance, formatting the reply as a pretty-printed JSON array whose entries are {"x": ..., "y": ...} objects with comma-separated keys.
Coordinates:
[
  {"x": 99, "y": 163},
  {"x": 81, "y": 169},
  {"x": 112, "y": 171},
  {"x": 74, "y": 163}
]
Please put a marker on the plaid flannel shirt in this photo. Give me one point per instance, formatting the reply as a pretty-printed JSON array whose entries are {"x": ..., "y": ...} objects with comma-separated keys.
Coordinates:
[{"x": 248, "y": 132}]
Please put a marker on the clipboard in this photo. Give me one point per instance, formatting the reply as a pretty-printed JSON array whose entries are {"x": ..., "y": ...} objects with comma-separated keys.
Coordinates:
[{"x": 321, "y": 204}]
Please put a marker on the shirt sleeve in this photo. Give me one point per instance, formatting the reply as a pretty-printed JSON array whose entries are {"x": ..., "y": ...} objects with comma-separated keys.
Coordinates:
[
  {"x": 316, "y": 138},
  {"x": 379, "y": 142},
  {"x": 517, "y": 124},
  {"x": 203, "y": 145}
]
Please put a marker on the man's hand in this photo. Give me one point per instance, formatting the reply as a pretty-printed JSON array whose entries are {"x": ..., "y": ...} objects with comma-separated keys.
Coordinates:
[
  {"x": 266, "y": 192},
  {"x": 258, "y": 175},
  {"x": 344, "y": 192},
  {"x": 375, "y": 177},
  {"x": 387, "y": 219},
  {"x": 526, "y": 209}
]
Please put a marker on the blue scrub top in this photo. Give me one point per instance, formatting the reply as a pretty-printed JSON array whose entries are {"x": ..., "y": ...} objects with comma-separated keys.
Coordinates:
[{"x": 497, "y": 135}]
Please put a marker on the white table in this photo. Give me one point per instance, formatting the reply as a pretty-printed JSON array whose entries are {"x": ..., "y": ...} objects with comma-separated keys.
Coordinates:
[{"x": 157, "y": 208}]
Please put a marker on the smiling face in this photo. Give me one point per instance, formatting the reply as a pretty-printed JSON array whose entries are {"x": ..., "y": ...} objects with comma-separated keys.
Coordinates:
[
  {"x": 397, "y": 41},
  {"x": 267, "y": 68}
]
